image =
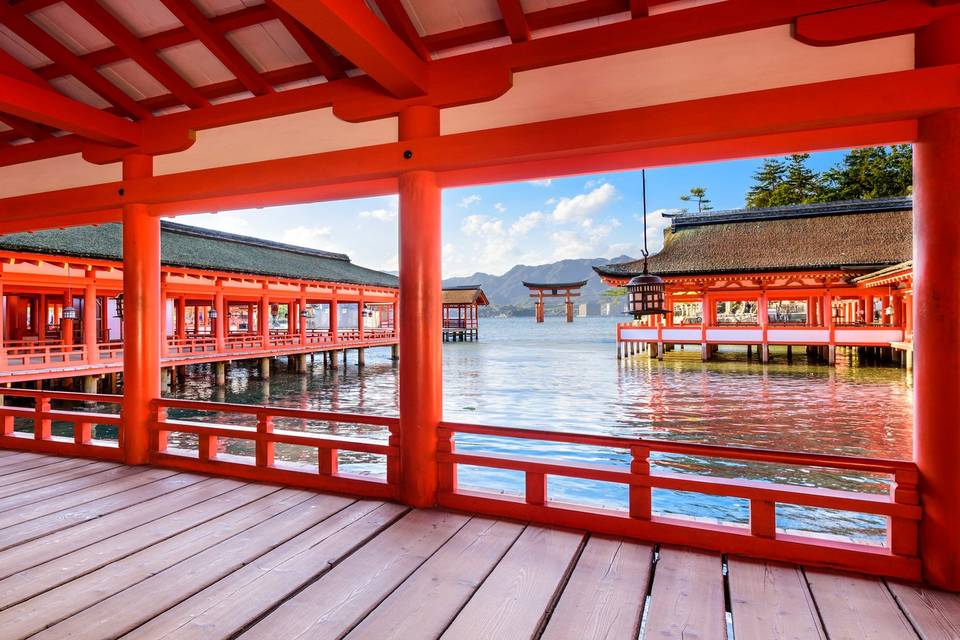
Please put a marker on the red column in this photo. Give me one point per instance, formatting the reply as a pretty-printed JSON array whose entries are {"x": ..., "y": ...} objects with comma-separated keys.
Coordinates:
[
  {"x": 302, "y": 320},
  {"x": 421, "y": 396},
  {"x": 181, "y": 317},
  {"x": 90, "y": 322},
  {"x": 360, "y": 307},
  {"x": 936, "y": 223},
  {"x": 263, "y": 319},
  {"x": 220, "y": 323},
  {"x": 141, "y": 316},
  {"x": 334, "y": 318}
]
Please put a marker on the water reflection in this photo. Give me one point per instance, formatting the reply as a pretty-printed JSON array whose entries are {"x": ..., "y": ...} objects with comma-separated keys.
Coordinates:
[{"x": 560, "y": 376}]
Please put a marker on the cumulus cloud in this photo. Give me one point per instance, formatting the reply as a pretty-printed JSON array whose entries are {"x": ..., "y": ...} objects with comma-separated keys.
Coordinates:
[
  {"x": 585, "y": 204},
  {"x": 384, "y": 215},
  {"x": 313, "y": 237},
  {"x": 500, "y": 207},
  {"x": 541, "y": 183},
  {"x": 469, "y": 200},
  {"x": 525, "y": 224},
  {"x": 583, "y": 241},
  {"x": 657, "y": 223},
  {"x": 481, "y": 225}
]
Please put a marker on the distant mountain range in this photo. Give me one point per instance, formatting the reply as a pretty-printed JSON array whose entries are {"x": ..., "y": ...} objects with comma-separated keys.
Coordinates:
[{"x": 508, "y": 289}]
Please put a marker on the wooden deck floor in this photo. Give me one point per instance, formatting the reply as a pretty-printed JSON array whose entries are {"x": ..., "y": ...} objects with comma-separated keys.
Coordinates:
[{"x": 100, "y": 550}]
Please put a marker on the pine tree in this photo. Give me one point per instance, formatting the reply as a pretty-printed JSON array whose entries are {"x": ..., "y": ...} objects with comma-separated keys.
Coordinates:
[
  {"x": 700, "y": 195},
  {"x": 801, "y": 185},
  {"x": 766, "y": 181}
]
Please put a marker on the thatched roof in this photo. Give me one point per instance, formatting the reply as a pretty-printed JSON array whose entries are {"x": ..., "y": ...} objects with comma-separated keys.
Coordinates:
[
  {"x": 465, "y": 294},
  {"x": 196, "y": 248},
  {"x": 857, "y": 235}
]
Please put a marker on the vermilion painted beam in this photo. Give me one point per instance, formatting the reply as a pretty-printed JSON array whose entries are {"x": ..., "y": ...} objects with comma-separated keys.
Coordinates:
[
  {"x": 214, "y": 40},
  {"x": 352, "y": 29},
  {"x": 874, "y": 99},
  {"x": 316, "y": 50},
  {"x": 51, "y": 47},
  {"x": 516, "y": 22},
  {"x": 399, "y": 20},
  {"x": 870, "y": 21},
  {"x": 639, "y": 8},
  {"x": 108, "y": 25},
  {"x": 53, "y": 109}
]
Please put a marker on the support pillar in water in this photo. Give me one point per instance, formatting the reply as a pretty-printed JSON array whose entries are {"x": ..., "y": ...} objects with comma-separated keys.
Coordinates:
[
  {"x": 220, "y": 373},
  {"x": 265, "y": 368},
  {"x": 90, "y": 384},
  {"x": 361, "y": 357}
]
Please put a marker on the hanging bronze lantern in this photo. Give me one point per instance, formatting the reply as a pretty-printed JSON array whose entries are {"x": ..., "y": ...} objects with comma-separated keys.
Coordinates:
[
  {"x": 645, "y": 293},
  {"x": 119, "y": 305},
  {"x": 69, "y": 313}
]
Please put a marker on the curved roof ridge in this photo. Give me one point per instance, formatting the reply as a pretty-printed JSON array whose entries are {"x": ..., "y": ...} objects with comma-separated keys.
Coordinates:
[
  {"x": 841, "y": 207},
  {"x": 176, "y": 227}
]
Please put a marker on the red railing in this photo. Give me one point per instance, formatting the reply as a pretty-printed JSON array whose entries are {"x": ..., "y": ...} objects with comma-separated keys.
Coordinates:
[
  {"x": 259, "y": 464},
  {"x": 190, "y": 345},
  {"x": 43, "y": 416},
  {"x": 762, "y": 538},
  {"x": 30, "y": 355}
]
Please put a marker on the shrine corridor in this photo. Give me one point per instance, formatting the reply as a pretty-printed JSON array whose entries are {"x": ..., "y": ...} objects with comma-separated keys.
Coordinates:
[{"x": 102, "y": 550}]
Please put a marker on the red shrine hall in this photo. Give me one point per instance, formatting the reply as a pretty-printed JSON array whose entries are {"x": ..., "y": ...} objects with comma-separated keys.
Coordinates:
[{"x": 115, "y": 115}]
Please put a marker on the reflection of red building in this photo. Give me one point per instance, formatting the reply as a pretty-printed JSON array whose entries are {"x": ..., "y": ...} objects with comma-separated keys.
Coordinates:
[
  {"x": 224, "y": 297},
  {"x": 799, "y": 275}
]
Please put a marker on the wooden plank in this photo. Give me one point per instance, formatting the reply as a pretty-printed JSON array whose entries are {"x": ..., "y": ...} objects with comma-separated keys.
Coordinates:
[
  {"x": 336, "y": 602},
  {"x": 52, "y": 474},
  {"x": 514, "y": 599},
  {"x": 771, "y": 601},
  {"x": 935, "y": 614},
  {"x": 428, "y": 600},
  {"x": 67, "y": 481},
  {"x": 80, "y": 491},
  {"x": 687, "y": 596},
  {"x": 227, "y": 607},
  {"x": 857, "y": 607},
  {"x": 28, "y": 461},
  {"x": 200, "y": 503},
  {"x": 48, "y": 608},
  {"x": 77, "y": 537},
  {"x": 605, "y": 594},
  {"x": 130, "y": 491},
  {"x": 150, "y": 597}
]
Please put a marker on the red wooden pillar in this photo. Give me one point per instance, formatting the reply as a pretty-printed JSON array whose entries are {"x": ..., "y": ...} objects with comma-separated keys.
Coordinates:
[
  {"x": 182, "y": 317},
  {"x": 421, "y": 397},
  {"x": 936, "y": 223},
  {"x": 303, "y": 320},
  {"x": 220, "y": 322},
  {"x": 263, "y": 319},
  {"x": 90, "y": 322},
  {"x": 141, "y": 316},
  {"x": 334, "y": 317},
  {"x": 360, "y": 308}
]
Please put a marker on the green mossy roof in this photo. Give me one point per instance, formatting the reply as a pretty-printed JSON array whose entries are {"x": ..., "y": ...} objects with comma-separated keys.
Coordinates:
[
  {"x": 196, "y": 248},
  {"x": 845, "y": 235}
]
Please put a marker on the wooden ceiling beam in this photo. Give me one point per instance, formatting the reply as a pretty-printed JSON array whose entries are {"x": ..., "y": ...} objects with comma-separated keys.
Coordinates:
[
  {"x": 399, "y": 20},
  {"x": 319, "y": 53},
  {"x": 216, "y": 42},
  {"x": 107, "y": 24},
  {"x": 639, "y": 8},
  {"x": 53, "y": 49},
  {"x": 515, "y": 20},
  {"x": 870, "y": 21},
  {"x": 44, "y": 106},
  {"x": 350, "y": 27}
]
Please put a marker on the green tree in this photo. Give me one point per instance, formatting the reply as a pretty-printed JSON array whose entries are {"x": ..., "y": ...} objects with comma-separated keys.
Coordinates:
[
  {"x": 766, "y": 182},
  {"x": 874, "y": 172},
  {"x": 699, "y": 194},
  {"x": 800, "y": 184}
]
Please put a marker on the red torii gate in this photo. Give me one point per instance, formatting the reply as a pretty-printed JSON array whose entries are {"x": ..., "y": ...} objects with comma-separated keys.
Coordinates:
[
  {"x": 565, "y": 290},
  {"x": 182, "y": 150}
]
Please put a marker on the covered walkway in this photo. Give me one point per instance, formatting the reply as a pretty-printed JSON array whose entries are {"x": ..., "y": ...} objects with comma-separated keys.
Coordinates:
[{"x": 98, "y": 550}]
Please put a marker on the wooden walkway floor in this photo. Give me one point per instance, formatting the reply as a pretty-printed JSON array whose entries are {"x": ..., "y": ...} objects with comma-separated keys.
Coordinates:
[{"x": 100, "y": 550}]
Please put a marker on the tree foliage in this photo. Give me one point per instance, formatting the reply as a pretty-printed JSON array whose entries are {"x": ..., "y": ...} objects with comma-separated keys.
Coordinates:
[
  {"x": 874, "y": 172},
  {"x": 698, "y": 194}
]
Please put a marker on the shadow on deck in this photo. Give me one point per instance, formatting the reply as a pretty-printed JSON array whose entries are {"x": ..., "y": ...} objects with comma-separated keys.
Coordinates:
[{"x": 101, "y": 550}]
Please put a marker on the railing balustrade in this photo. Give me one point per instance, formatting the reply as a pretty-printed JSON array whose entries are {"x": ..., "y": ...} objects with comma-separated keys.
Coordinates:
[{"x": 762, "y": 538}]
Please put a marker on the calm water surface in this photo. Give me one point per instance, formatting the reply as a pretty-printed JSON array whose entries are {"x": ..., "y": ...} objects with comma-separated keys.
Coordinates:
[{"x": 559, "y": 376}]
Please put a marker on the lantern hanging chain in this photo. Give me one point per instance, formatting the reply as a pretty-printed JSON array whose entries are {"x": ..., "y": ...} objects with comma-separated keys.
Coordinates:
[{"x": 643, "y": 179}]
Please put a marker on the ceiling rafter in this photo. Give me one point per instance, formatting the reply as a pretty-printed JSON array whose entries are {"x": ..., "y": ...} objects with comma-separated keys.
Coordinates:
[
  {"x": 25, "y": 128},
  {"x": 317, "y": 50},
  {"x": 19, "y": 127},
  {"x": 354, "y": 30},
  {"x": 515, "y": 20},
  {"x": 46, "y": 106},
  {"x": 214, "y": 40},
  {"x": 107, "y": 24},
  {"x": 55, "y": 50},
  {"x": 399, "y": 20}
]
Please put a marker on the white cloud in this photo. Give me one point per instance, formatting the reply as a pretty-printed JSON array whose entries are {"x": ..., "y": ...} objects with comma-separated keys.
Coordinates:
[
  {"x": 313, "y": 237},
  {"x": 469, "y": 200},
  {"x": 380, "y": 214},
  {"x": 657, "y": 224},
  {"x": 584, "y": 241},
  {"x": 585, "y": 204},
  {"x": 228, "y": 222},
  {"x": 500, "y": 207},
  {"x": 525, "y": 224},
  {"x": 594, "y": 182},
  {"x": 481, "y": 225},
  {"x": 541, "y": 183}
]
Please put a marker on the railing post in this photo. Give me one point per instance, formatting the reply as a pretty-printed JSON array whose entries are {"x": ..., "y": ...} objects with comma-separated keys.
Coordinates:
[
  {"x": 641, "y": 503},
  {"x": 41, "y": 423},
  {"x": 763, "y": 518},
  {"x": 421, "y": 398},
  {"x": 536, "y": 488},
  {"x": 328, "y": 461},
  {"x": 903, "y": 533},
  {"x": 206, "y": 447},
  {"x": 158, "y": 437},
  {"x": 447, "y": 470},
  {"x": 264, "y": 448},
  {"x": 82, "y": 432}
]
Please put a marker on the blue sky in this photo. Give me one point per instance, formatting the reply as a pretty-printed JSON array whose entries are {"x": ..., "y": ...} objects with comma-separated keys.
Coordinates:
[{"x": 492, "y": 228}]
